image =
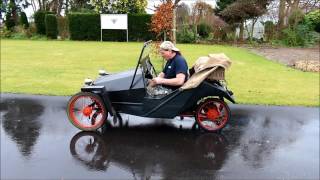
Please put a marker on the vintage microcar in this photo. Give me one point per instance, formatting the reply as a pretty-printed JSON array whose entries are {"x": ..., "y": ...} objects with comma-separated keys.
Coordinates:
[{"x": 202, "y": 96}]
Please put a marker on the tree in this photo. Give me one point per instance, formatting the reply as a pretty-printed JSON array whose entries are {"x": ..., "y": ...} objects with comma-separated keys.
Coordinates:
[
  {"x": 289, "y": 7},
  {"x": 242, "y": 10},
  {"x": 80, "y": 5},
  {"x": 119, "y": 6},
  {"x": 24, "y": 20},
  {"x": 11, "y": 14},
  {"x": 313, "y": 20},
  {"x": 162, "y": 20},
  {"x": 222, "y": 4},
  {"x": 182, "y": 14},
  {"x": 200, "y": 11}
]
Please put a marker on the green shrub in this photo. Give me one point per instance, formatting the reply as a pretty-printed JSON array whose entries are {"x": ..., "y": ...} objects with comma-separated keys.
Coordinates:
[
  {"x": 295, "y": 17},
  {"x": 186, "y": 35},
  {"x": 139, "y": 27},
  {"x": 9, "y": 21},
  {"x": 312, "y": 19},
  {"x": 269, "y": 29},
  {"x": 84, "y": 26},
  {"x": 5, "y": 32},
  {"x": 24, "y": 20},
  {"x": 51, "y": 26},
  {"x": 39, "y": 19},
  {"x": 18, "y": 32},
  {"x": 204, "y": 30},
  {"x": 300, "y": 36}
]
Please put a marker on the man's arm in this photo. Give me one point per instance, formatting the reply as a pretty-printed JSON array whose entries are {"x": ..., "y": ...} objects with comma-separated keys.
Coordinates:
[{"x": 178, "y": 81}]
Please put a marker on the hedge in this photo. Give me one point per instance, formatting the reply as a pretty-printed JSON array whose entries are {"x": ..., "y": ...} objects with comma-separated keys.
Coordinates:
[
  {"x": 24, "y": 20},
  {"x": 51, "y": 26},
  {"x": 39, "y": 19},
  {"x": 84, "y": 26}
]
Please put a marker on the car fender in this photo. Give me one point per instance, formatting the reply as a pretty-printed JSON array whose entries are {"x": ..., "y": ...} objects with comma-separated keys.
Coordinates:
[
  {"x": 100, "y": 90},
  {"x": 223, "y": 91}
]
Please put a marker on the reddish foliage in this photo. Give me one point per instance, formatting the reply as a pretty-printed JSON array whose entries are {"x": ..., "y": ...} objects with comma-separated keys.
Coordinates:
[{"x": 161, "y": 21}]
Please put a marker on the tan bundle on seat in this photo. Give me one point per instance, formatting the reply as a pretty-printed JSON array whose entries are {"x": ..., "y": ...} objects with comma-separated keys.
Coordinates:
[{"x": 210, "y": 67}]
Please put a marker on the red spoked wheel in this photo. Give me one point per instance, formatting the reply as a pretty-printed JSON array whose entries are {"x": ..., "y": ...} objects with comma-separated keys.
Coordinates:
[
  {"x": 212, "y": 115},
  {"x": 86, "y": 111}
]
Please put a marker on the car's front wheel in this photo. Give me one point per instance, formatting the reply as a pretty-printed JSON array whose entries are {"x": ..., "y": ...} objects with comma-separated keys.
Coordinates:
[{"x": 86, "y": 111}]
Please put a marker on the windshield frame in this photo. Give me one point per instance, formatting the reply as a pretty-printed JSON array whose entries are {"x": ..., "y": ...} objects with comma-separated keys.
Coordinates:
[{"x": 142, "y": 59}]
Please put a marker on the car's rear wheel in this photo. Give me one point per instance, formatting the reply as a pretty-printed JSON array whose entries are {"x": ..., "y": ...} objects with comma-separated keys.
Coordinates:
[
  {"x": 212, "y": 115},
  {"x": 87, "y": 111}
]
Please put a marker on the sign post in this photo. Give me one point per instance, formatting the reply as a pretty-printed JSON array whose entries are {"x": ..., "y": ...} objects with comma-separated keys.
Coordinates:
[{"x": 114, "y": 21}]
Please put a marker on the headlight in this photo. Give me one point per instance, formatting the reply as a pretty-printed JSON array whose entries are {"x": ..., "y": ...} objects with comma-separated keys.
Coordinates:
[
  {"x": 102, "y": 72},
  {"x": 88, "y": 81}
]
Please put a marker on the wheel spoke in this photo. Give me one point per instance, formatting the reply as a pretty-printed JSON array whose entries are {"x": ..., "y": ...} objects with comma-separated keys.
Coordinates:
[
  {"x": 212, "y": 114},
  {"x": 86, "y": 111}
]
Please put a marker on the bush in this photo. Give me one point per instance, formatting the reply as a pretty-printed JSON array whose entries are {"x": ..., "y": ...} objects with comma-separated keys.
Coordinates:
[
  {"x": 24, "y": 20},
  {"x": 186, "y": 35},
  {"x": 139, "y": 25},
  {"x": 312, "y": 19},
  {"x": 5, "y": 32},
  {"x": 18, "y": 32},
  {"x": 269, "y": 29},
  {"x": 51, "y": 26},
  {"x": 295, "y": 17},
  {"x": 300, "y": 36},
  {"x": 9, "y": 22},
  {"x": 84, "y": 26},
  {"x": 39, "y": 19},
  {"x": 204, "y": 30}
]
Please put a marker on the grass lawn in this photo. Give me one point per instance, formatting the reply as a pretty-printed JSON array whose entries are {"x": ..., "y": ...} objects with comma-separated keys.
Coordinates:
[{"x": 59, "y": 68}]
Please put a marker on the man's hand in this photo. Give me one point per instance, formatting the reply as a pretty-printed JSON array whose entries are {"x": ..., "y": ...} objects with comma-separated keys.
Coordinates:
[
  {"x": 178, "y": 81},
  {"x": 151, "y": 83},
  {"x": 158, "y": 80}
]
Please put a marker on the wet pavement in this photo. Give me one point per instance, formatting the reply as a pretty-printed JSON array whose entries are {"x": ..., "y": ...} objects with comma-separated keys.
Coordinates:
[{"x": 260, "y": 142}]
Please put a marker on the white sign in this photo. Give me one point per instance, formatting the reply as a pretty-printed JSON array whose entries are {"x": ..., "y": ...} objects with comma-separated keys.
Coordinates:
[{"x": 114, "y": 21}]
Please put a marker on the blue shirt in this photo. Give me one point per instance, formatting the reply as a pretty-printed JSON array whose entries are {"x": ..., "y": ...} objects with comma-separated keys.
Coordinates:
[{"x": 175, "y": 66}]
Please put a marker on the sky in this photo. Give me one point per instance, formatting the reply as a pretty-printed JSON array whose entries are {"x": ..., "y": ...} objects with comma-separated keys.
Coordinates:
[
  {"x": 152, "y": 3},
  {"x": 150, "y": 6}
]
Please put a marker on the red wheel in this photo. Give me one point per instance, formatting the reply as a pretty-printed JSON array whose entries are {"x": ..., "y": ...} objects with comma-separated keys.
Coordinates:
[
  {"x": 86, "y": 111},
  {"x": 212, "y": 115}
]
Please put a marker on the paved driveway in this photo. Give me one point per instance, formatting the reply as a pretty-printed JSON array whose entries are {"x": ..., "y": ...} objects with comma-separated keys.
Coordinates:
[{"x": 260, "y": 142}]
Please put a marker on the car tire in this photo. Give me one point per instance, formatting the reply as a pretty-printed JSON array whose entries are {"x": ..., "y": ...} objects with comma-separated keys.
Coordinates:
[{"x": 87, "y": 111}]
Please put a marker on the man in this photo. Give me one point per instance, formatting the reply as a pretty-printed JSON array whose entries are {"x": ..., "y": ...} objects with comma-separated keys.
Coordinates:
[{"x": 175, "y": 73}]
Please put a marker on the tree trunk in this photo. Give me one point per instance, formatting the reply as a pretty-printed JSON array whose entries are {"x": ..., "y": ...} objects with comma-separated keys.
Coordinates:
[
  {"x": 282, "y": 9},
  {"x": 254, "y": 20},
  {"x": 174, "y": 28},
  {"x": 40, "y": 5},
  {"x": 241, "y": 32},
  {"x": 67, "y": 7},
  {"x": 60, "y": 3}
]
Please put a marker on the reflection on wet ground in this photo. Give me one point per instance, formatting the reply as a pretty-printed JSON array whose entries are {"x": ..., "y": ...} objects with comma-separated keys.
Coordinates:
[{"x": 38, "y": 142}]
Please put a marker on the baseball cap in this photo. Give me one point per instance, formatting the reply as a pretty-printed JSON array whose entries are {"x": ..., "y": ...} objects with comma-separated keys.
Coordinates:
[{"x": 168, "y": 45}]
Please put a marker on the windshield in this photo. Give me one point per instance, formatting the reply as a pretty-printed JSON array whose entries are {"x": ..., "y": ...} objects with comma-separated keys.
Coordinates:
[{"x": 146, "y": 52}]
